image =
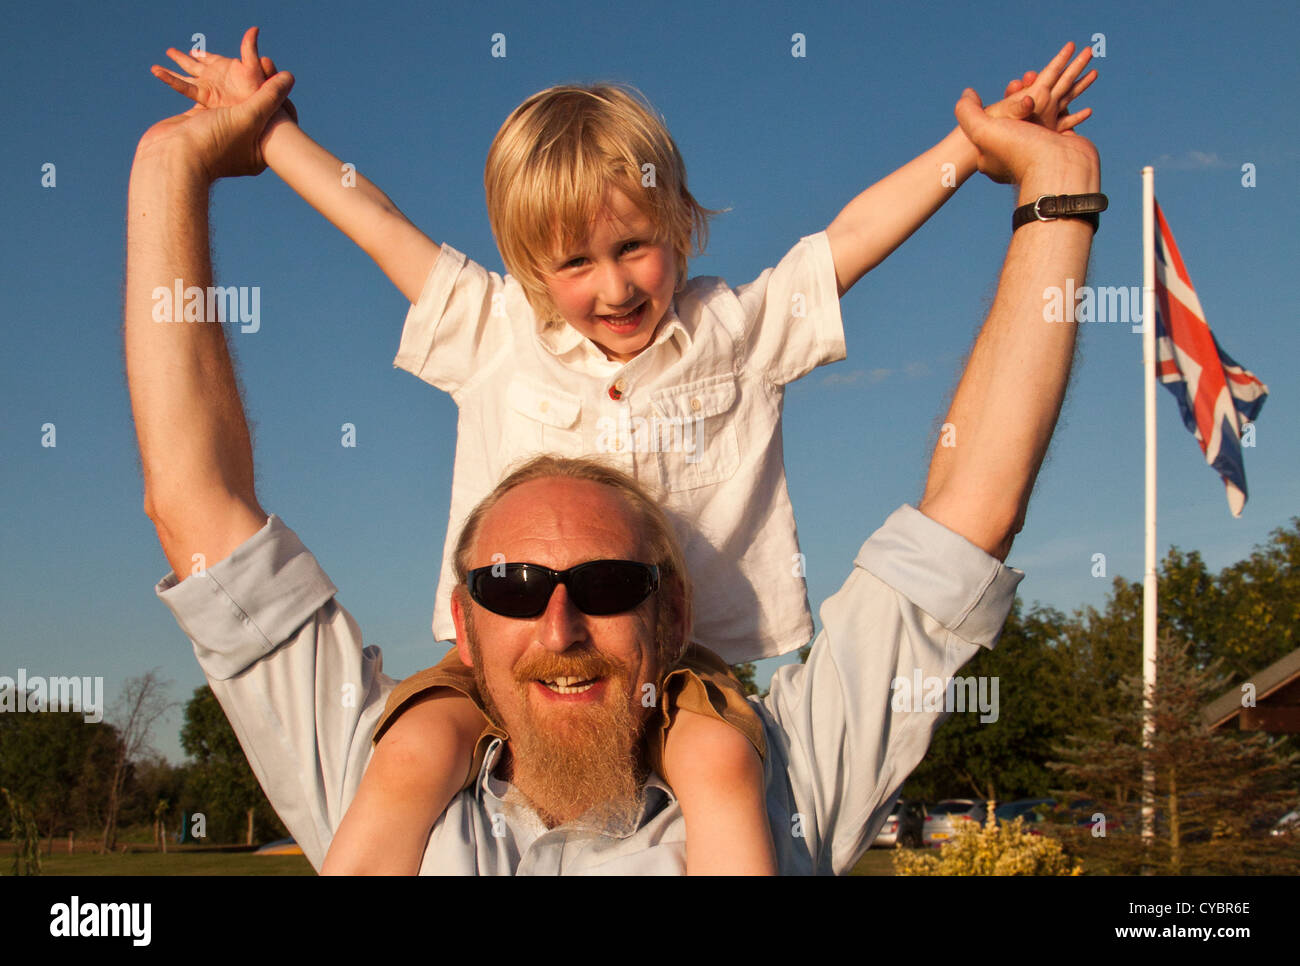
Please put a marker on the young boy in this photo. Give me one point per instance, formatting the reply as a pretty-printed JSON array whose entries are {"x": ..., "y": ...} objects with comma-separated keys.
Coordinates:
[{"x": 597, "y": 343}]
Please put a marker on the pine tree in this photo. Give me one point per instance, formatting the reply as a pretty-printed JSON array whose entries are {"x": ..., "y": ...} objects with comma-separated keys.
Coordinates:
[{"x": 1215, "y": 790}]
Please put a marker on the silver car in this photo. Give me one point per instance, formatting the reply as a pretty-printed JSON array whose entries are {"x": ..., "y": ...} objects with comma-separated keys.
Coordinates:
[
  {"x": 941, "y": 823},
  {"x": 903, "y": 827}
]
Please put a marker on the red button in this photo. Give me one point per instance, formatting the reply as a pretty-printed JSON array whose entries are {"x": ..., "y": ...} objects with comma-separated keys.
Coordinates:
[{"x": 614, "y": 394}]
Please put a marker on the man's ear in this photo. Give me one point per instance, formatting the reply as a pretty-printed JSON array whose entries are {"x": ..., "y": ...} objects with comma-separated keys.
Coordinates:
[{"x": 458, "y": 606}]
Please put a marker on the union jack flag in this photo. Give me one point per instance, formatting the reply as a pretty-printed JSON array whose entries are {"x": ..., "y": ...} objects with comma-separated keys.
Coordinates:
[{"x": 1217, "y": 397}]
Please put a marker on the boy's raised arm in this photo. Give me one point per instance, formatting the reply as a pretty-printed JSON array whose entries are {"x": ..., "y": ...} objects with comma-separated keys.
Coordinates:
[
  {"x": 884, "y": 216},
  {"x": 349, "y": 200},
  {"x": 353, "y": 204}
]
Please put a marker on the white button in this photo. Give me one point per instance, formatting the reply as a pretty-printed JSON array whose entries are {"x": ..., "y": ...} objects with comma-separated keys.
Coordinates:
[
  {"x": 544, "y": 405},
  {"x": 696, "y": 404},
  {"x": 620, "y": 385}
]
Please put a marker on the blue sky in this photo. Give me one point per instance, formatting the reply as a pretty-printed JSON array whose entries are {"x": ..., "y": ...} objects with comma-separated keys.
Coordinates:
[{"x": 410, "y": 94}]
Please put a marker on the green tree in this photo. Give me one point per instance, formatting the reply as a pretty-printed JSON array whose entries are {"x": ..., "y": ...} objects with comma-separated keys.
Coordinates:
[
  {"x": 58, "y": 765},
  {"x": 221, "y": 784},
  {"x": 1006, "y": 758},
  {"x": 745, "y": 674},
  {"x": 1214, "y": 789}
]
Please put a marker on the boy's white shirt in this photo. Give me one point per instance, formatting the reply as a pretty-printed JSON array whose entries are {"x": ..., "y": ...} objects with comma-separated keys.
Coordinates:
[{"x": 697, "y": 420}]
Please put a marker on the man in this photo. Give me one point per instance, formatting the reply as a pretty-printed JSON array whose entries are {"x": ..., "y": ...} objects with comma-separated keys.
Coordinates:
[{"x": 287, "y": 663}]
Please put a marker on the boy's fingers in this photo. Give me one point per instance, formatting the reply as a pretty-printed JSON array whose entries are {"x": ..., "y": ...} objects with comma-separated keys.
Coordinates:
[
  {"x": 1054, "y": 66},
  {"x": 1070, "y": 121},
  {"x": 1084, "y": 83},
  {"x": 268, "y": 66},
  {"x": 1066, "y": 80},
  {"x": 185, "y": 60},
  {"x": 175, "y": 81}
]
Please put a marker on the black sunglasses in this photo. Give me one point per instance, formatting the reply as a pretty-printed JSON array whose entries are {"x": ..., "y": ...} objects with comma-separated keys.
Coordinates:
[{"x": 598, "y": 588}]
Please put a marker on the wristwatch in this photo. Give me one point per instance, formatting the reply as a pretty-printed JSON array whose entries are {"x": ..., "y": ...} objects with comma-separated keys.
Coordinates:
[{"x": 1051, "y": 207}]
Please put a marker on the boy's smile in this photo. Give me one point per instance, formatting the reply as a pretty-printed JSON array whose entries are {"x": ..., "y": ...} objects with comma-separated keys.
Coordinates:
[{"x": 616, "y": 287}]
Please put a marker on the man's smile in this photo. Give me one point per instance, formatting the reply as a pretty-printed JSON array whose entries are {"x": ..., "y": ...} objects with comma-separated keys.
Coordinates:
[{"x": 580, "y": 691}]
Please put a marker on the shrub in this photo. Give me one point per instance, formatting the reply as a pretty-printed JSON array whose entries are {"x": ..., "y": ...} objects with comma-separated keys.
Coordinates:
[{"x": 991, "y": 850}]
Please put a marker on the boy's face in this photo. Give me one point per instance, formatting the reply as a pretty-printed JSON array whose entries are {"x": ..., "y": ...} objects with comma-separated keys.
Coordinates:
[{"x": 617, "y": 285}]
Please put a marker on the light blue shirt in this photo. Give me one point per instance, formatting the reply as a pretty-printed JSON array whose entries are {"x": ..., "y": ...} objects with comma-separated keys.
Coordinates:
[{"x": 303, "y": 694}]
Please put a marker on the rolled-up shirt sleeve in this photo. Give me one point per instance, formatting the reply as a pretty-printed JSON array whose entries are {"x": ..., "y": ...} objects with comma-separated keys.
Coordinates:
[
  {"x": 920, "y": 602},
  {"x": 792, "y": 313},
  {"x": 287, "y": 663},
  {"x": 460, "y": 323}
]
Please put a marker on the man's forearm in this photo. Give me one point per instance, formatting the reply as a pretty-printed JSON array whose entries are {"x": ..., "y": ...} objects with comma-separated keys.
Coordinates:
[
  {"x": 195, "y": 451},
  {"x": 1006, "y": 405},
  {"x": 885, "y": 215}
]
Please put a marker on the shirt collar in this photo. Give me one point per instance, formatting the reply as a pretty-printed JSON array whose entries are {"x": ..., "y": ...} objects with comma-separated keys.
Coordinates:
[{"x": 560, "y": 338}]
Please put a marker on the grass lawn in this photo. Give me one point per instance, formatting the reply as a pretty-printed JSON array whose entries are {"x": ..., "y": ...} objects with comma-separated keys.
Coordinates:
[
  {"x": 175, "y": 863},
  {"x": 875, "y": 862}
]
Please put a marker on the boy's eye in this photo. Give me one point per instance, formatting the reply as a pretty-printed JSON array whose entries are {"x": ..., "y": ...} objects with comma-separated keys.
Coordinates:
[{"x": 578, "y": 260}]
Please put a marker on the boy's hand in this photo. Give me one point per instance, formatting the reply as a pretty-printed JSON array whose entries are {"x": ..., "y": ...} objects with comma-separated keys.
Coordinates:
[
  {"x": 1044, "y": 97},
  {"x": 214, "y": 81}
]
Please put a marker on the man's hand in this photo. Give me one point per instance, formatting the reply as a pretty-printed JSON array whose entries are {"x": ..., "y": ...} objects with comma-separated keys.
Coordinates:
[
  {"x": 1009, "y": 150},
  {"x": 223, "y": 138}
]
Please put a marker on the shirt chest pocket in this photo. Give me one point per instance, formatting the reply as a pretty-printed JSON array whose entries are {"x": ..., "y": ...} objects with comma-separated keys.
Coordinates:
[
  {"x": 696, "y": 432},
  {"x": 542, "y": 419}
]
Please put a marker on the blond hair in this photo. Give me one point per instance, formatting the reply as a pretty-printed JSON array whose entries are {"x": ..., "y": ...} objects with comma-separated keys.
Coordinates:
[
  {"x": 554, "y": 160},
  {"x": 660, "y": 541}
]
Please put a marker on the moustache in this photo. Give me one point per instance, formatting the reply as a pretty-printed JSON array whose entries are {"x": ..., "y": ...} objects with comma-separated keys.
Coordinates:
[{"x": 584, "y": 666}]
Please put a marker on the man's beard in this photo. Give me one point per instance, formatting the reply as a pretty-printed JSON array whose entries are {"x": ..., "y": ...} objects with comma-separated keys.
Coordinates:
[{"x": 581, "y": 765}]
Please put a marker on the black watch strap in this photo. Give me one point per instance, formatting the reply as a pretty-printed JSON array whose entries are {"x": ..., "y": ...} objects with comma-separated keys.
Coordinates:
[{"x": 1050, "y": 207}]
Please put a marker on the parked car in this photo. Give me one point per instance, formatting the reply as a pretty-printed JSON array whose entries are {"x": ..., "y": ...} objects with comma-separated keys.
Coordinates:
[
  {"x": 943, "y": 818},
  {"x": 1288, "y": 824},
  {"x": 1034, "y": 811},
  {"x": 904, "y": 825}
]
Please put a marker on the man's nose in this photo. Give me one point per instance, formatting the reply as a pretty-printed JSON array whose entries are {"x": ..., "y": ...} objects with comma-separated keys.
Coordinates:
[{"x": 562, "y": 625}]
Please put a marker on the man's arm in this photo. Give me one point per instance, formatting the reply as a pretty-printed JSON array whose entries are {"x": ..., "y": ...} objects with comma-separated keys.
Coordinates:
[
  {"x": 285, "y": 660},
  {"x": 1006, "y": 405},
  {"x": 195, "y": 450}
]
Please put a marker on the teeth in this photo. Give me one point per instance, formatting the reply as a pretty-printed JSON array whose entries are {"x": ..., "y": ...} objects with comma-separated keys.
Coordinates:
[
  {"x": 566, "y": 685},
  {"x": 622, "y": 318}
]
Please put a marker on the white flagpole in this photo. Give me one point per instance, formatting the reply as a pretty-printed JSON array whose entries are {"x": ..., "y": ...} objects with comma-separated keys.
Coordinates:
[{"x": 1149, "y": 577}]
